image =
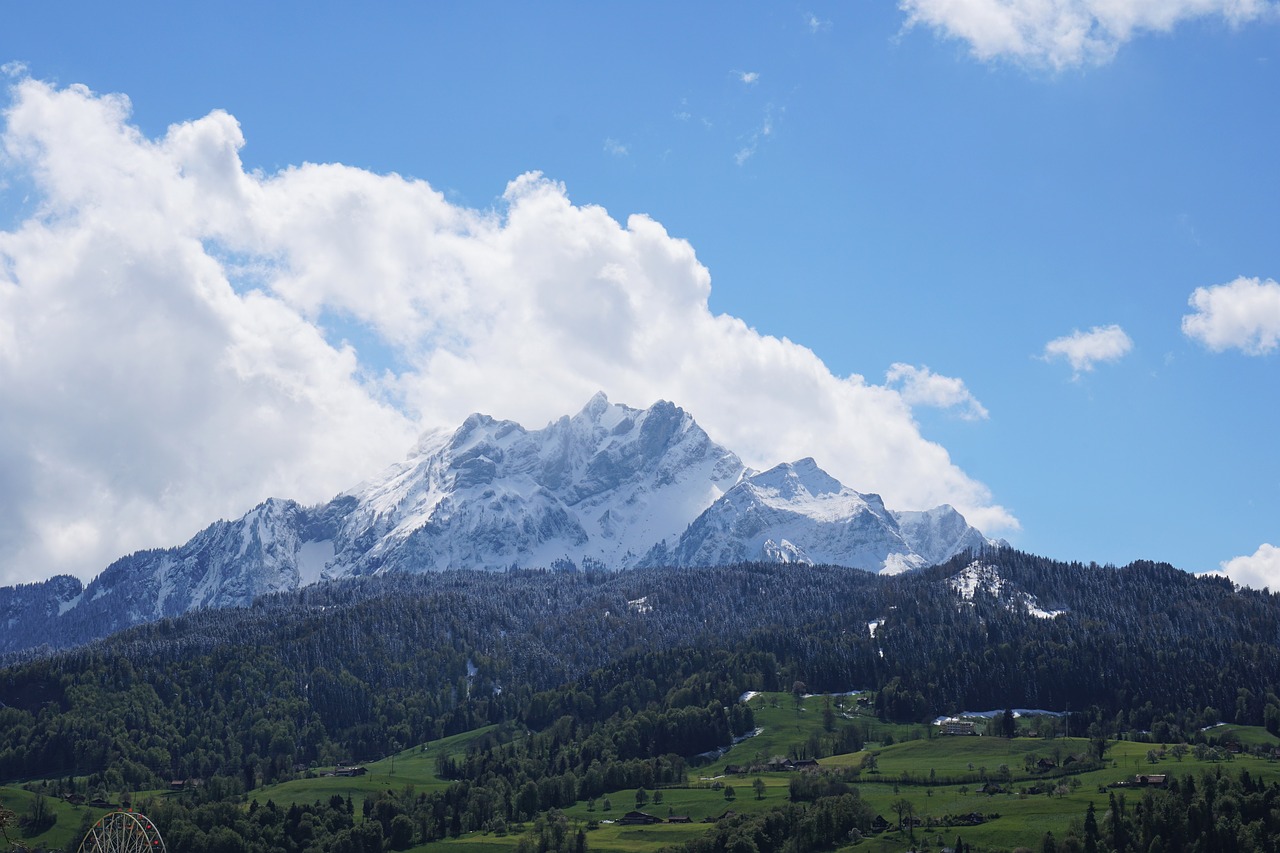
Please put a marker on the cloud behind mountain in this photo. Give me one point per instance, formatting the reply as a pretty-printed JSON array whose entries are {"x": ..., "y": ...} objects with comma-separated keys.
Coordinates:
[{"x": 181, "y": 338}]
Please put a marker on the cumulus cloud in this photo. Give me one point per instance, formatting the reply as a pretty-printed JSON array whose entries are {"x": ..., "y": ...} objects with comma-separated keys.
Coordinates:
[
  {"x": 748, "y": 77},
  {"x": 920, "y": 386},
  {"x": 171, "y": 344},
  {"x": 1066, "y": 33},
  {"x": 1085, "y": 349},
  {"x": 1258, "y": 570},
  {"x": 1244, "y": 315}
]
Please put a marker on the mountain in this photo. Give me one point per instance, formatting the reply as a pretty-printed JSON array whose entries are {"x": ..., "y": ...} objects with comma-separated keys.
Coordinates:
[
  {"x": 611, "y": 487},
  {"x": 599, "y": 488},
  {"x": 272, "y": 548},
  {"x": 798, "y": 513}
]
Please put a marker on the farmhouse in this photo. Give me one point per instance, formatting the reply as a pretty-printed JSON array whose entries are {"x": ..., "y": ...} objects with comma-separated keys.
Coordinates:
[
  {"x": 633, "y": 818},
  {"x": 340, "y": 770}
]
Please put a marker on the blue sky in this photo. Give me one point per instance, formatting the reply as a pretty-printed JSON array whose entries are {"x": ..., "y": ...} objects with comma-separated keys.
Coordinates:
[{"x": 947, "y": 187}]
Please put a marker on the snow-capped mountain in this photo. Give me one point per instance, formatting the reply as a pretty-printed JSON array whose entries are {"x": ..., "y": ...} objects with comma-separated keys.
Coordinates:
[
  {"x": 272, "y": 548},
  {"x": 796, "y": 512},
  {"x": 598, "y": 488},
  {"x": 611, "y": 487}
]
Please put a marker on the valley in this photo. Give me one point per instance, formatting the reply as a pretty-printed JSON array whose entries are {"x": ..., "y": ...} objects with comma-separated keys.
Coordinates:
[
  {"x": 500, "y": 711},
  {"x": 992, "y": 792}
]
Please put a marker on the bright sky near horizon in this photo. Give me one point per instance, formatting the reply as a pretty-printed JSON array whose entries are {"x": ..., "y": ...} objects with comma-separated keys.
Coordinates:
[{"x": 1017, "y": 256}]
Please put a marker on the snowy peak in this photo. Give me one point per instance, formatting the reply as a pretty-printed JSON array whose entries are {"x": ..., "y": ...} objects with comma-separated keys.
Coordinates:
[
  {"x": 938, "y": 534},
  {"x": 802, "y": 479},
  {"x": 797, "y": 513},
  {"x": 609, "y": 487},
  {"x": 601, "y": 487},
  {"x": 804, "y": 487}
]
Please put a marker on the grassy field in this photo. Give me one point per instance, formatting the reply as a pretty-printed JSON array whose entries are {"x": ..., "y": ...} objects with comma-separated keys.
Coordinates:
[
  {"x": 937, "y": 775},
  {"x": 71, "y": 820},
  {"x": 1023, "y": 816},
  {"x": 415, "y": 766}
]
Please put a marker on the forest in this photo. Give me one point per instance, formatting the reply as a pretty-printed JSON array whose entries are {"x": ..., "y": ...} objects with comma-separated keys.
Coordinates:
[{"x": 586, "y": 684}]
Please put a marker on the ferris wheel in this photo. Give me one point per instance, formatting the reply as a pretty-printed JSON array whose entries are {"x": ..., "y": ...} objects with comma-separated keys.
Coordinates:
[{"x": 123, "y": 832}]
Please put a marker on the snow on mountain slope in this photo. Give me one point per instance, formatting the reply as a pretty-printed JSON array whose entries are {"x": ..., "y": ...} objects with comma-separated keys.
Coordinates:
[
  {"x": 938, "y": 534},
  {"x": 611, "y": 487},
  {"x": 796, "y": 512},
  {"x": 600, "y": 487},
  {"x": 227, "y": 564},
  {"x": 977, "y": 577}
]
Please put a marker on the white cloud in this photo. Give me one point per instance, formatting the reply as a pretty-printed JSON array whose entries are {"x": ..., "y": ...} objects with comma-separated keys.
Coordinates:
[
  {"x": 1244, "y": 314},
  {"x": 1066, "y": 33},
  {"x": 748, "y": 77},
  {"x": 920, "y": 386},
  {"x": 1085, "y": 349},
  {"x": 1259, "y": 570},
  {"x": 816, "y": 24},
  {"x": 752, "y": 145},
  {"x": 614, "y": 147},
  {"x": 164, "y": 359}
]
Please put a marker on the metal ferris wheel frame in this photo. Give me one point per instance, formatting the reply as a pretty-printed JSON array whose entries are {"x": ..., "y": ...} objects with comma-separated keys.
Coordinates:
[{"x": 123, "y": 832}]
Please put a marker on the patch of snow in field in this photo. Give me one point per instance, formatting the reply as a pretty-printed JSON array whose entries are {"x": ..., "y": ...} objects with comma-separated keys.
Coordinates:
[
  {"x": 991, "y": 715},
  {"x": 846, "y": 693}
]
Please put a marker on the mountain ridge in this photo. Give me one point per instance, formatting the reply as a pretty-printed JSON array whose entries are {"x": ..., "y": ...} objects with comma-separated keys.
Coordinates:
[{"x": 611, "y": 487}]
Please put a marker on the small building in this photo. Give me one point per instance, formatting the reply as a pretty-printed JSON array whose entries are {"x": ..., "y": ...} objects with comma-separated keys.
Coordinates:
[
  {"x": 879, "y": 824},
  {"x": 634, "y": 818},
  {"x": 805, "y": 764},
  {"x": 959, "y": 727},
  {"x": 340, "y": 770},
  {"x": 679, "y": 818},
  {"x": 1150, "y": 780}
]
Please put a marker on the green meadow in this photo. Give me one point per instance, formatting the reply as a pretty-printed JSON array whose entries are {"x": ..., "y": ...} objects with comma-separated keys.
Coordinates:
[
  {"x": 937, "y": 775},
  {"x": 414, "y": 767}
]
